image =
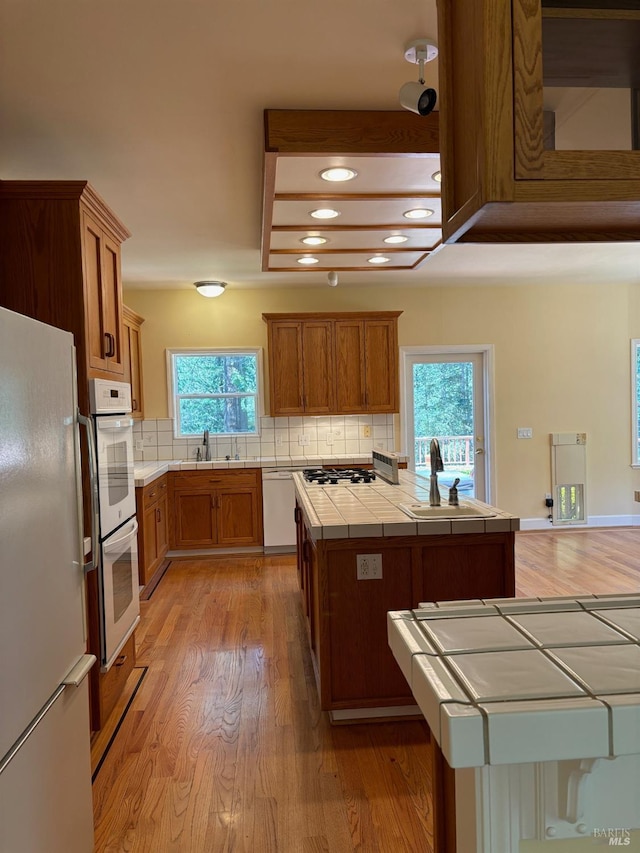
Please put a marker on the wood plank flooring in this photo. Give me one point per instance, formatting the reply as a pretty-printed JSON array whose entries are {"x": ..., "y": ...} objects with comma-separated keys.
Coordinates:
[{"x": 224, "y": 748}]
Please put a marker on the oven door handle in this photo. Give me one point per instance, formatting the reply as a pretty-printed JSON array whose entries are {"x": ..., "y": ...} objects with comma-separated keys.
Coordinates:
[
  {"x": 108, "y": 548},
  {"x": 94, "y": 563}
]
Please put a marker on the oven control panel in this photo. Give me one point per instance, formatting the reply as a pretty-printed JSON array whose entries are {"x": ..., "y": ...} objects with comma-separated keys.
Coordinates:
[{"x": 109, "y": 398}]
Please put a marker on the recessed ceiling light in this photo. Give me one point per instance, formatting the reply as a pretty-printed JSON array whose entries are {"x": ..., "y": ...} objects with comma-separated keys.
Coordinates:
[
  {"x": 338, "y": 173},
  {"x": 418, "y": 213},
  {"x": 307, "y": 260},
  {"x": 395, "y": 238},
  {"x": 437, "y": 176},
  {"x": 313, "y": 241},
  {"x": 378, "y": 259},
  {"x": 324, "y": 213}
]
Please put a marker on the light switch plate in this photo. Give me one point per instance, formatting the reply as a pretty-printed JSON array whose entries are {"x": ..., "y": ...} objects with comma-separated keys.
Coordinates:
[
  {"x": 369, "y": 567},
  {"x": 525, "y": 432},
  {"x": 139, "y": 444},
  {"x": 329, "y": 438}
]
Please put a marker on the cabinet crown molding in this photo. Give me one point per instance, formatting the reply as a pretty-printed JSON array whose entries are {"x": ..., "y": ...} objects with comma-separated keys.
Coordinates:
[{"x": 334, "y": 315}]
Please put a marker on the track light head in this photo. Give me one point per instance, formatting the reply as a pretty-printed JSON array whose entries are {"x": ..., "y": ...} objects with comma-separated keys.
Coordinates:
[
  {"x": 418, "y": 98},
  {"x": 332, "y": 279}
]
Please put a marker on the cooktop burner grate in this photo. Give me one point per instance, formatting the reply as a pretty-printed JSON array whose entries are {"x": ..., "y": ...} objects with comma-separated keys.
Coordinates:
[{"x": 338, "y": 476}]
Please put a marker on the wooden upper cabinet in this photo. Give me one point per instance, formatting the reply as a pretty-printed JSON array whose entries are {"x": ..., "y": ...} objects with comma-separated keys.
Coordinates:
[
  {"x": 514, "y": 169},
  {"x": 132, "y": 356},
  {"x": 103, "y": 299},
  {"x": 333, "y": 363},
  {"x": 60, "y": 263}
]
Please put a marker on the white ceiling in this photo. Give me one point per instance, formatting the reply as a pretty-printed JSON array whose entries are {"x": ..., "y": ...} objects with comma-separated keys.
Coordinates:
[{"x": 159, "y": 104}]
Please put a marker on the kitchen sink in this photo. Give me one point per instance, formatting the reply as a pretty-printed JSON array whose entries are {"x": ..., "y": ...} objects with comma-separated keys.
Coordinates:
[{"x": 423, "y": 511}]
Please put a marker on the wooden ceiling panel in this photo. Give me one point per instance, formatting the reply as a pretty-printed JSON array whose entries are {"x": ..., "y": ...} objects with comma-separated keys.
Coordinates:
[{"x": 395, "y": 155}]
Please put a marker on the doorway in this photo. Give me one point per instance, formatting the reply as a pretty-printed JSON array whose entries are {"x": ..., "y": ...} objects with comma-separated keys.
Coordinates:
[{"x": 446, "y": 395}]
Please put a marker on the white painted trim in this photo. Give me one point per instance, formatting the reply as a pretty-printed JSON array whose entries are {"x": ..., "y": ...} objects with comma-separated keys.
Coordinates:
[
  {"x": 593, "y": 521},
  {"x": 635, "y": 343},
  {"x": 487, "y": 352}
]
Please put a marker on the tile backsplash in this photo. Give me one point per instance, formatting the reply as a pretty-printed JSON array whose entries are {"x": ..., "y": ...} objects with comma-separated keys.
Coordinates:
[{"x": 328, "y": 436}]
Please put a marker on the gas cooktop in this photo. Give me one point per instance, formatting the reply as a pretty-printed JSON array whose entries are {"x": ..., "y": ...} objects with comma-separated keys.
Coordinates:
[{"x": 338, "y": 476}]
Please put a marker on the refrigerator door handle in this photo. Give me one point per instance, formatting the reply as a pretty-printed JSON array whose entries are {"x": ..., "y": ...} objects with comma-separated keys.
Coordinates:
[
  {"x": 93, "y": 481},
  {"x": 76, "y": 676}
]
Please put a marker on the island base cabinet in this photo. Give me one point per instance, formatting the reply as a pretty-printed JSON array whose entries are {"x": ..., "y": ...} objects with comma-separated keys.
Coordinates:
[
  {"x": 363, "y": 667},
  {"x": 347, "y": 617}
]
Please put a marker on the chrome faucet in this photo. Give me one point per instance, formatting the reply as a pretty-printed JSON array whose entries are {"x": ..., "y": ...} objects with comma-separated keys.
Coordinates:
[
  {"x": 207, "y": 449},
  {"x": 436, "y": 465}
]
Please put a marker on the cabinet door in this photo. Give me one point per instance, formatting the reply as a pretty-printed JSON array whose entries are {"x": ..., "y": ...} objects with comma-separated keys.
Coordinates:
[
  {"x": 318, "y": 385},
  {"x": 195, "y": 519},
  {"x": 381, "y": 366},
  {"x": 103, "y": 299},
  {"x": 285, "y": 368},
  {"x": 132, "y": 358},
  {"x": 162, "y": 528},
  {"x": 112, "y": 304},
  {"x": 350, "y": 368},
  {"x": 149, "y": 550},
  {"x": 238, "y": 517}
]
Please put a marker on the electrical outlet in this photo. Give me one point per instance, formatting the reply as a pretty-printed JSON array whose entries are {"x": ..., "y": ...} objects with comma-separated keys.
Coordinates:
[
  {"x": 366, "y": 431},
  {"x": 304, "y": 440},
  {"x": 329, "y": 438},
  {"x": 278, "y": 441},
  {"x": 369, "y": 567},
  {"x": 139, "y": 444}
]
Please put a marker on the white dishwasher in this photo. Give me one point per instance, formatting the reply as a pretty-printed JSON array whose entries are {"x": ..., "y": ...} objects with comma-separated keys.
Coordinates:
[{"x": 278, "y": 504}]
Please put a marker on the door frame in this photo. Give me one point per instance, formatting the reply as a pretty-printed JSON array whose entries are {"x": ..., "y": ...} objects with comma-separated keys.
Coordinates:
[{"x": 486, "y": 351}]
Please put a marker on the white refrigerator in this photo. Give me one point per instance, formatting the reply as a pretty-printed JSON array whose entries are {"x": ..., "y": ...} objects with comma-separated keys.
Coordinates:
[{"x": 45, "y": 766}]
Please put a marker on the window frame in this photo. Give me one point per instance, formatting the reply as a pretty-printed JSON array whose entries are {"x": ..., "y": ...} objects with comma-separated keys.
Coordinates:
[
  {"x": 172, "y": 396},
  {"x": 635, "y": 408}
]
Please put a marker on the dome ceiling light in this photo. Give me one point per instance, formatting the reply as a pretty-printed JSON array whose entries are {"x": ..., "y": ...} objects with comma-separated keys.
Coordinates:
[{"x": 210, "y": 288}]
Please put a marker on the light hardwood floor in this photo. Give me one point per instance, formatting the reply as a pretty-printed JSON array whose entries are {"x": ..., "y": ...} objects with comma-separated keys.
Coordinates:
[{"x": 223, "y": 747}]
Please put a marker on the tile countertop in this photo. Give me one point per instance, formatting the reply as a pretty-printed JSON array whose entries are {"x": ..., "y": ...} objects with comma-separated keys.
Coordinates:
[
  {"x": 147, "y": 472},
  {"x": 511, "y": 681},
  {"x": 372, "y": 510}
]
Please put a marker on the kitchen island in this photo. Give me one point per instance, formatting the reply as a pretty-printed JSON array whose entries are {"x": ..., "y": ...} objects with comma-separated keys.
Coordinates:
[
  {"x": 534, "y": 705},
  {"x": 360, "y": 556}
]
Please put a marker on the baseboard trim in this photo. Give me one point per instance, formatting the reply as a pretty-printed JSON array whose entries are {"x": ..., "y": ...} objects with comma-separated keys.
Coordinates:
[{"x": 593, "y": 521}]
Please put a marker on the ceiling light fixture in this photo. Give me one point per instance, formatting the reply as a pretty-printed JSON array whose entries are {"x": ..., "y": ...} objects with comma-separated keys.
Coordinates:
[
  {"x": 437, "y": 176},
  {"x": 417, "y": 97},
  {"x": 210, "y": 288},
  {"x": 324, "y": 213},
  {"x": 313, "y": 241},
  {"x": 338, "y": 173},
  {"x": 308, "y": 261},
  {"x": 378, "y": 259},
  {"x": 418, "y": 213},
  {"x": 396, "y": 238},
  {"x": 332, "y": 279}
]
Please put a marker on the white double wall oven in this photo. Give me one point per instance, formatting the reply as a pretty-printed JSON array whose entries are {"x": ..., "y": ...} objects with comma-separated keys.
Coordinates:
[{"x": 114, "y": 486}]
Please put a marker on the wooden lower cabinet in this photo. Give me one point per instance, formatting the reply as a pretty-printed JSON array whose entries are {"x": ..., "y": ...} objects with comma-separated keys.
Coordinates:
[
  {"x": 216, "y": 509},
  {"x": 153, "y": 532},
  {"x": 111, "y": 684},
  {"x": 347, "y": 617}
]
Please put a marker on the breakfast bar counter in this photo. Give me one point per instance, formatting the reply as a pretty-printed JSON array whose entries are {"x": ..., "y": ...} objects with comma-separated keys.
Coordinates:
[{"x": 535, "y": 707}]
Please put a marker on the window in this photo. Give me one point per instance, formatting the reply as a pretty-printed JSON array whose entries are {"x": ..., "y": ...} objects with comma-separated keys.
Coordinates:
[
  {"x": 635, "y": 401},
  {"x": 218, "y": 390}
]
